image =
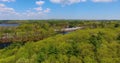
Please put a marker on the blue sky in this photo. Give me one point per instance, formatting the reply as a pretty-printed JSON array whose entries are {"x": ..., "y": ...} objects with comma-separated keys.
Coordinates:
[{"x": 59, "y": 9}]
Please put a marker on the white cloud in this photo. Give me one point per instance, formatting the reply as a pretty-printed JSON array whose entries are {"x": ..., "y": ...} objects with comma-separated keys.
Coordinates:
[
  {"x": 2, "y": 5},
  {"x": 9, "y": 13},
  {"x": 38, "y": 9},
  {"x": 4, "y": 9},
  {"x": 67, "y": 2},
  {"x": 103, "y": 0},
  {"x": 32, "y": 13},
  {"x": 47, "y": 10},
  {"x": 7, "y": 0},
  {"x": 40, "y": 2}
]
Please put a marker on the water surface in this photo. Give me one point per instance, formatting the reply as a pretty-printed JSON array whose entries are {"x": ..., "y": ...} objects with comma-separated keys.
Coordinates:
[{"x": 9, "y": 24}]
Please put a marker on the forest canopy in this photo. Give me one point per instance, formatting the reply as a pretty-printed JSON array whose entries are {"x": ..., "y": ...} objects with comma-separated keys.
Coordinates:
[{"x": 98, "y": 42}]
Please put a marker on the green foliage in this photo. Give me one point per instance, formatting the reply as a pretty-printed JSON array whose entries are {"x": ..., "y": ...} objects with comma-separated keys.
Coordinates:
[{"x": 95, "y": 44}]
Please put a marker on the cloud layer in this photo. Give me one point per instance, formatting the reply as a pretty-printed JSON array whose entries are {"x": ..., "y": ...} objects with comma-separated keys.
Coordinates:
[
  {"x": 7, "y": 0},
  {"x": 40, "y": 2},
  {"x": 67, "y": 2},
  {"x": 103, "y": 0},
  {"x": 6, "y": 10},
  {"x": 32, "y": 13},
  {"x": 37, "y": 11}
]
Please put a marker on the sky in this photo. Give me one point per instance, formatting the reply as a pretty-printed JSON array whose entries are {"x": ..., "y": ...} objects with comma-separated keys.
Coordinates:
[{"x": 59, "y": 9}]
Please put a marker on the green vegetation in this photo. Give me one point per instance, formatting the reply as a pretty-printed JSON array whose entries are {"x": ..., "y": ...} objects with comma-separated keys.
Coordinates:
[
  {"x": 26, "y": 32},
  {"x": 98, "y": 42}
]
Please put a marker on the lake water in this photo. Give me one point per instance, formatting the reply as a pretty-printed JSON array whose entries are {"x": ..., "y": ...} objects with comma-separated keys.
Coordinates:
[{"x": 9, "y": 25}]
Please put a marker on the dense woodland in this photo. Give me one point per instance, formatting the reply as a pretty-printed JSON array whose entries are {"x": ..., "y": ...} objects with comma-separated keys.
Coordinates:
[{"x": 38, "y": 42}]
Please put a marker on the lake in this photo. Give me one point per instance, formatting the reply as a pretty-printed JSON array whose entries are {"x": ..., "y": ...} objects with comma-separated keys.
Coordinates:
[{"x": 5, "y": 25}]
